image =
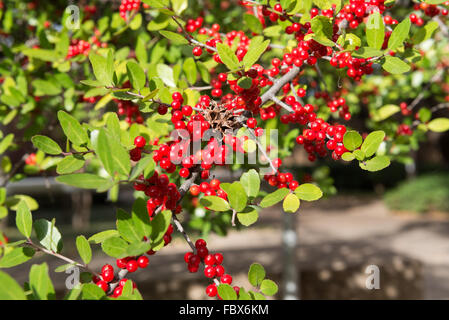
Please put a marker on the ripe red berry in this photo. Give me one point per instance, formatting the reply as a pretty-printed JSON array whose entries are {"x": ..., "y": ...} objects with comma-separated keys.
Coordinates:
[
  {"x": 132, "y": 265},
  {"x": 143, "y": 262},
  {"x": 103, "y": 285},
  {"x": 209, "y": 260},
  {"x": 194, "y": 190},
  {"x": 108, "y": 275},
  {"x": 219, "y": 270},
  {"x": 211, "y": 290},
  {"x": 140, "y": 142},
  {"x": 226, "y": 278},
  {"x": 209, "y": 272},
  {"x": 197, "y": 51},
  {"x": 218, "y": 258},
  {"x": 251, "y": 123},
  {"x": 107, "y": 267},
  {"x": 200, "y": 243}
]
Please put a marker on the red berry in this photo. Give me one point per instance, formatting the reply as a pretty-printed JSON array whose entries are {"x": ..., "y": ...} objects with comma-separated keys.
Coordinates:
[
  {"x": 211, "y": 290},
  {"x": 103, "y": 285},
  {"x": 140, "y": 142},
  {"x": 143, "y": 262},
  {"x": 218, "y": 258},
  {"x": 226, "y": 278},
  {"x": 200, "y": 243},
  {"x": 209, "y": 272},
  {"x": 132, "y": 265},
  {"x": 197, "y": 51}
]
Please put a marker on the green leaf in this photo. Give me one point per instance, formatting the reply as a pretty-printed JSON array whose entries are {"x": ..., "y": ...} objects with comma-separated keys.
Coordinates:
[
  {"x": 348, "y": 156},
  {"x": 6, "y": 142},
  {"x": 40, "y": 282},
  {"x": 179, "y": 6},
  {"x": 291, "y": 203},
  {"x": 117, "y": 161},
  {"x": 253, "y": 23},
  {"x": 102, "y": 236},
  {"x": 103, "y": 68},
  {"x": 83, "y": 180},
  {"x": 385, "y": 112},
  {"x": 308, "y": 192},
  {"x": 268, "y": 287},
  {"x": 251, "y": 182},
  {"x": 166, "y": 74},
  {"x": 256, "y": 274},
  {"x": 176, "y": 38},
  {"x": 243, "y": 295},
  {"x": 375, "y": 30},
  {"x": 322, "y": 27},
  {"x": 137, "y": 248},
  {"x": 394, "y": 65},
  {"x": 70, "y": 164},
  {"x": 226, "y": 292},
  {"x": 439, "y": 125},
  {"x": 24, "y": 220},
  {"x": 9, "y": 288},
  {"x": 248, "y": 216},
  {"x": 274, "y": 198},
  {"x": 15, "y": 257},
  {"x": 359, "y": 155},
  {"x": 237, "y": 196},
  {"x": 84, "y": 249},
  {"x": 141, "y": 218},
  {"x": 72, "y": 128},
  {"x": 159, "y": 225},
  {"x": 228, "y": 56},
  {"x": 375, "y": 164},
  {"x": 190, "y": 70},
  {"x": 136, "y": 75},
  {"x": 256, "y": 48},
  {"x": 125, "y": 227},
  {"x": 367, "y": 52},
  {"x": 372, "y": 143},
  {"x": 425, "y": 33},
  {"x": 245, "y": 82},
  {"x": 215, "y": 203},
  {"x": 91, "y": 291},
  {"x": 46, "y": 145},
  {"x": 115, "y": 247},
  {"x": 48, "y": 235},
  {"x": 399, "y": 34},
  {"x": 352, "y": 140},
  {"x": 144, "y": 163}
]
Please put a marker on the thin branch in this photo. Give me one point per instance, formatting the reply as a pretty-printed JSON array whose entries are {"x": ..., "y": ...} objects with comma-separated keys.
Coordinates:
[
  {"x": 289, "y": 76},
  {"x": 60, "y": 256},
  {"x": 437, "y": 77},
  {"x": 282, "y": 104},
  {"x": 13, "y": 171}
]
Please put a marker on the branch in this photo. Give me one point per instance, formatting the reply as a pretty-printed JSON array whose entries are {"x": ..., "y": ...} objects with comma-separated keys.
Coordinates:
[
  {"x": 271, "y": 93},
  {"x": 437, "y": 77},
  {"x": 13, "y": 171},
  {"x": 60, "y": 256}
]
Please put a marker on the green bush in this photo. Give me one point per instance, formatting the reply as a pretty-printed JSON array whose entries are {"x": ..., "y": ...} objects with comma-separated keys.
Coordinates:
[{"x": 423, "y": 194}]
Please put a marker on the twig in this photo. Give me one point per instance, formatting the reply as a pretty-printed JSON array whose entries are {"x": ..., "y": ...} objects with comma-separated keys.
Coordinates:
[
  {"x": 289, "y": 76},
  {"x": 60, "y": 256},
  {"x": 421, "y": 95},
  {"x": 13, "y": 171},
  {"x": 282, "y": 104}
]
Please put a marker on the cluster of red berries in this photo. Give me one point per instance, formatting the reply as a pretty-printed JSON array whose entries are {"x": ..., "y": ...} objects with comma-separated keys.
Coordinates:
[
  {"x": 78, "y": 47},
  {"x": 128, "y": 6},
  {"x": 130, "y": 110},
  {"x": 404, "y": 130},
  {"x": 136, "y": 153},
  {"x": 213, "y": 266},
  {"x": 357, "y": 10},
  {"x": 340, "y": 104},
  {"x": 282, "y": 180},
  {"x": 194, "y": 24},
  {"x": 314, "y": 139},
  {"x": 404, "y": 109},
  {"x": 31, "y": 159},
  {"x": 357, "y": 67},
  {"x": 430, "y": 10},
  {"x": 211, "y": 188},
  {"x": 161, "y": 192}
]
